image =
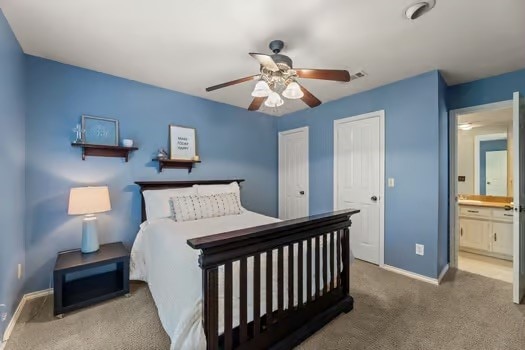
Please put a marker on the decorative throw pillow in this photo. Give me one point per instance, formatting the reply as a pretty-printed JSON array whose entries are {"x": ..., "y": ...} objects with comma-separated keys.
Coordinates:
[
  {"x": 208, "y": 190},
  {"x": 194, "y": 207}
]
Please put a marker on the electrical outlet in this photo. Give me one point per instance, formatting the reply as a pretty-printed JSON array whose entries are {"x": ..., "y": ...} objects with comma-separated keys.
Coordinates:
[
  {"x": 420, "y": 249},
  {"x": 20, "y": 271},
  {"x": 391, "y": 182}
]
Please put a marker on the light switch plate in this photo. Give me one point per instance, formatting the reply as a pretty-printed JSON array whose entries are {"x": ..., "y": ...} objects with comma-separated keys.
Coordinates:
[
  {"x": 420, "y": 249},
  {"x": 390, "y": 182}
]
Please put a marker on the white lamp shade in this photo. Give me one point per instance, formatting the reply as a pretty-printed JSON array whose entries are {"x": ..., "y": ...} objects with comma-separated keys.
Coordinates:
[
  {"x": 293, "y": 91},
  {"x": 274, "y": 100},
  {"x": 262, "y": 89},
  {"x": 88, "y": 200}
]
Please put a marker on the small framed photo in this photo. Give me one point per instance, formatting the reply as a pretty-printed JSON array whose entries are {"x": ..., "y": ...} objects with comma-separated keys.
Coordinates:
[
  {"x": 100, "y": 131},
  {"x": 183, "y": 142}
]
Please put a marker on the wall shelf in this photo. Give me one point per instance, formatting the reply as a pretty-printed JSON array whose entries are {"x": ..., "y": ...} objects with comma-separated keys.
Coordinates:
[
  {"x": 175, "y": 164},
  {"x": 104, "y": 150}
]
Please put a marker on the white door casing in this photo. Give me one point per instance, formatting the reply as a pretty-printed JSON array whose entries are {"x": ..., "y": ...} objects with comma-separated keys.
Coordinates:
[
  {"x": 293, "y": 174},
  {"x": 359, "y": 151},
  {"x": 519, "y": 197}
]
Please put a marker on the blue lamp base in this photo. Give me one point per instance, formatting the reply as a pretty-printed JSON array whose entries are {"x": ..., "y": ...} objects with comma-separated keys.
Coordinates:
[{"x": 89, "y": 235}]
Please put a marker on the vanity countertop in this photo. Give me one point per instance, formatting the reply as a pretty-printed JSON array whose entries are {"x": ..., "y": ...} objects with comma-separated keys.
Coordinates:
[{"x": 478, "y": 203}]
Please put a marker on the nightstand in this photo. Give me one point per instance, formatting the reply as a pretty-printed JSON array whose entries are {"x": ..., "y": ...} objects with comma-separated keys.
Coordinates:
[{"x": 81, "y": 279}]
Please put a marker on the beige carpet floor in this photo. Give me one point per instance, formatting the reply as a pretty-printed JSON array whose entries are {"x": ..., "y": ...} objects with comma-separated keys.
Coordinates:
[{"x": 466, "y": 311}]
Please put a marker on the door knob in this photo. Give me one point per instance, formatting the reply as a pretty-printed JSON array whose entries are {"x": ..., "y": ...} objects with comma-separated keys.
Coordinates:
[
  {"x": 301, "y": 192},
  {"x": 374, "y": 198}
]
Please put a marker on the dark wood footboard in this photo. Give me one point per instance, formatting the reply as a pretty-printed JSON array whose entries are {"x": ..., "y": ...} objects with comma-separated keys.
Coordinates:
[{"x": 316, "y": 252}]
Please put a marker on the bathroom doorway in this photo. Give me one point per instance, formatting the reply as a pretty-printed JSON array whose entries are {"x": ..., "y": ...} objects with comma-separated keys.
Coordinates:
[{"x": 484, "y": 186}]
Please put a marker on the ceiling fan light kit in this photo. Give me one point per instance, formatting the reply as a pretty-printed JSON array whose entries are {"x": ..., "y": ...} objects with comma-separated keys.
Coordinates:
[
  {"x": 273, "y": 100},
  {"x": 262, "y": 89},
  {"x": 277, "y": 75},
  {"x": 293, "y": 91}
]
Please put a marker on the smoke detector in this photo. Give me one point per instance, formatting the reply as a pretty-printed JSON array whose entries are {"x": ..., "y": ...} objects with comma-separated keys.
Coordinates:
[{"x": 418, "y": 9}]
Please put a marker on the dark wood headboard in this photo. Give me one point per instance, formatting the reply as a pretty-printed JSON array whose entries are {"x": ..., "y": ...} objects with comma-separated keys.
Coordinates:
[{"x": 162, "y": 185}]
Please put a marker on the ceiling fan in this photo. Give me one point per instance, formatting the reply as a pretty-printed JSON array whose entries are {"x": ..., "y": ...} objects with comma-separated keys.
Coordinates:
[{"x": 277, "y": 75}]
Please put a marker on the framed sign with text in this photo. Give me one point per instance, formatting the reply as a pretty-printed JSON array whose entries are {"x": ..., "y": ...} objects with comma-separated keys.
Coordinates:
[{"x": 183, "y": 142}]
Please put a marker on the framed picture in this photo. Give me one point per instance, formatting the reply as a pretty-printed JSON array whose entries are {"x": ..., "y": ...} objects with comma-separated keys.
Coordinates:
[
  {"x": 100, "y": 131},
  {"x": 183, "y": 142}
]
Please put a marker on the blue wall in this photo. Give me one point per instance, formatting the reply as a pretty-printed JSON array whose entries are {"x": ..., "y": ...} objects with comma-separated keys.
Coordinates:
[
  {"x": 232, "y": 142},
  {"x": 489, "y": 90},
  {"x": 412, "y": 158},
  {"x": 12, "y": 160}
]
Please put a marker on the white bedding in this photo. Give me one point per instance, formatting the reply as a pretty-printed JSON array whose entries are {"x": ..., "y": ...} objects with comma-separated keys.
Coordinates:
[{"x": 161, "y": 257}]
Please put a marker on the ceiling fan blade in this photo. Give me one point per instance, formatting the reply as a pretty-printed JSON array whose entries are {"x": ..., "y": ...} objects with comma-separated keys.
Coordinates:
[
  {"x": 233, "y": 82},
  {"x": 324, "y": 74},
  {"x": 309, "y": 99},
  {"x": 266, "y": 61},
  {"x": 256, "y": 103}
]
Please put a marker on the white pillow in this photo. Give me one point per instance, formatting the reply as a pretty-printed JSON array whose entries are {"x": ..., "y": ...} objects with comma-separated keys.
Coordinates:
[
  {"x": 158, "y": 201},
  {"x": 206, "y": 190},
  {"x": 194, "y": 207}
]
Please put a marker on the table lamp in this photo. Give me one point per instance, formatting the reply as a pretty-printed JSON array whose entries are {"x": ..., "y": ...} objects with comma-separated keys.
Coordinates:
[{"x": 89, "y": 201}]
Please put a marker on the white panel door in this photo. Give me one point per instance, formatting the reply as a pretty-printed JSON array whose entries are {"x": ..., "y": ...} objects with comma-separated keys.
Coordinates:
[
  {"x": 358, "y": 181},
  {"x": 293, "y": 174},
  {"x": 496, "y": 173},
  {"x": 519, "y": 197}
]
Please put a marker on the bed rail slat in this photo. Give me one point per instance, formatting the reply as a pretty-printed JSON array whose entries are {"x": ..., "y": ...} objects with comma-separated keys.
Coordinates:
[
  {"x": 256, "y": 295},
  {"x": 243, "y": 300},
  {"x": 309, "y": 270},
  {"x": 228, "y": 307},
  {"x": 280, "y": 282},
  {"x": 269, "y": 288},
  {"x": 300, "y": 273},
  {"x": 332, "y": 261},
  {"x": 325, "y": 264},
  {"x": 290, "y": 276},
  {"x": 345, "y": 279},
  {"x": 317, "y": 267},
  {"x": 211, "y": 307},
  {"x": 338, "y": 261}
]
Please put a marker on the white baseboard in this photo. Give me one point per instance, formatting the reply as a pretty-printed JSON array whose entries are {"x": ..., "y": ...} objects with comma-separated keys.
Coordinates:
[
  {"x": 443, "y": 273},
  {"x": 411, "y": 274},
  {"x": 18, "y": 312}
]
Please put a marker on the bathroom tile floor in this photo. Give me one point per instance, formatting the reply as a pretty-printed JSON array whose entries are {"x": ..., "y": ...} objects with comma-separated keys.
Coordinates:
[{"x": 486, "y": 266}]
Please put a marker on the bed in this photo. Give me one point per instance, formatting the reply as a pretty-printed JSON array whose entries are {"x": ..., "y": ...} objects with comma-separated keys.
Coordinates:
[{"x": 244, "y": 281}]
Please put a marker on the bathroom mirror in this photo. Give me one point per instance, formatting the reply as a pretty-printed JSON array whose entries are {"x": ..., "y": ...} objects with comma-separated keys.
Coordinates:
[{"x": 485, "y": 154}]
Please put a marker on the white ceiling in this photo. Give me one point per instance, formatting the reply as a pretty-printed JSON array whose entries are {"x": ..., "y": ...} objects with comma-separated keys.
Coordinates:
[{"x": 189, "y": 45}]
